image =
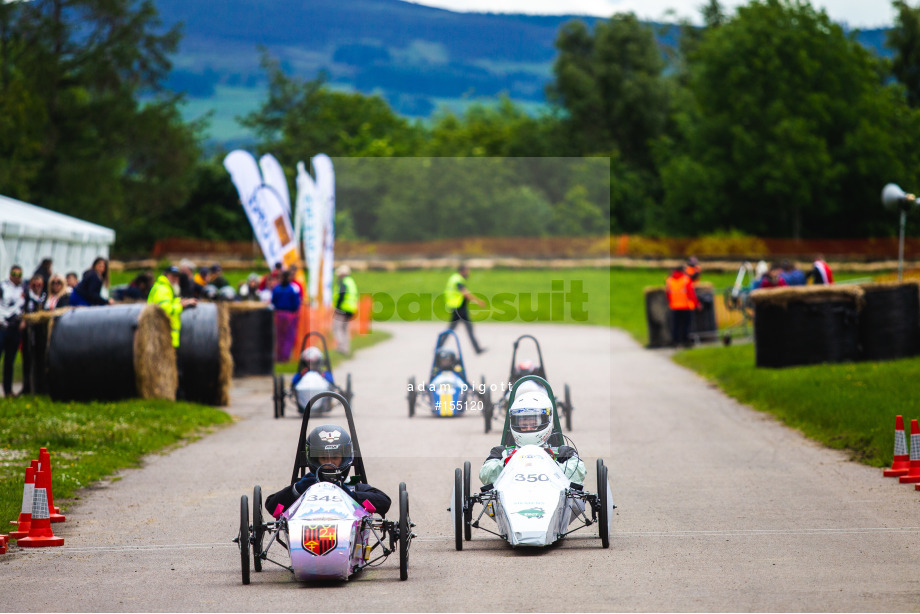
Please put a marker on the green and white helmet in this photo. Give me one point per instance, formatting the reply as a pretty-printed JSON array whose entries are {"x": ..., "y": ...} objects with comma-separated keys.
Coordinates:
[{"x": 531, "y": 418}]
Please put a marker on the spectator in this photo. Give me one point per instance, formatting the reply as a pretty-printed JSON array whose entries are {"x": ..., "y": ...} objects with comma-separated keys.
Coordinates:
[
  {"x": 346, "y": 305},
  {"x": 693, "y": 269},
  {"x": 249, "y": 291},
  {"x": 265, "y": 294},
  {"x": 273, "y": 275},
  {"x": 773, "y": 278},
  {"x": 286, "y": 301},
  {"x": 458, "y": 299},
  {"x": 70, "y": 281},
  {"x": 12, "y": 300},
  {"x": 792, "y": 275},
  {"x": 682, "y": 301},
  {"x": 188, "y": 287},
  {"x": 216, "y": 278},
  {"x": 34, "y": 302},
  {"x": 296, "y": 283},
  {"x": 57, "y": 294},
  {"x": 820, "y": 272},
  {"x": 201, "y": 277},
  {"x": 89, "y": 291},
  {"x": 138, "y": 289},
  {"x": 44, "y": 270}
]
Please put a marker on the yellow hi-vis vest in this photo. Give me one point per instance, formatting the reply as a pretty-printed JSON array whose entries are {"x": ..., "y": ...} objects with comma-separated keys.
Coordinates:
[
  {"x": 452, "y": 292},
  {"x": 162, "y": 294},
  {"x": 350, "y": 302}
]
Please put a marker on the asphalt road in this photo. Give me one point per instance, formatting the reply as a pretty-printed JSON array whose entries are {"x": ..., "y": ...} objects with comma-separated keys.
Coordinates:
[{"x": 720, "y": 508}]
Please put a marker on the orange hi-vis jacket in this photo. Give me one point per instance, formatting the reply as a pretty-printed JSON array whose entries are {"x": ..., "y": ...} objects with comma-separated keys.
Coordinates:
[{"x": 680, "y": 292}]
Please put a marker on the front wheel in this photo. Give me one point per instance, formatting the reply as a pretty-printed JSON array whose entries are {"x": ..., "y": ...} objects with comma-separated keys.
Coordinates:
[
  {"x": 276, "y": 393},
  {"x": 603, "y": 515},
  {"x": 348, "y": 393},
  {"x": 457, "y": 509},
  {"x": 486, "y": 404},
  {"x": 468, "y": 512},
  {"x": 568, "y": 408},
  {"x": 404, "y": 536},
  {"x": 412, "y": 396},
  {"x": 258, "y": 531},
  {"x": 244, "y": 538}
]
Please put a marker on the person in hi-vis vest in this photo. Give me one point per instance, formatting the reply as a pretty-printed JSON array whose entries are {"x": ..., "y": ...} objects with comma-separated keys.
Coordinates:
[
  {"x": 458, "y": 300},
  {"x": 682, "y": 301},
  {"x": 346, "y": 305}
]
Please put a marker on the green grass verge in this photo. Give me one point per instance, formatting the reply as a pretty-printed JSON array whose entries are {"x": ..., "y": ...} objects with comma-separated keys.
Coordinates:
[
  {"x": 847, "y": 406},
  {"x": 89, "y": 441},
  {"x": 358, "y": 342}
]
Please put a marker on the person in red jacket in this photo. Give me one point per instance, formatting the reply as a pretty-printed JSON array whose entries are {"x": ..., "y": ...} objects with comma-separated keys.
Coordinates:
[{"x": 682, "y": 302}]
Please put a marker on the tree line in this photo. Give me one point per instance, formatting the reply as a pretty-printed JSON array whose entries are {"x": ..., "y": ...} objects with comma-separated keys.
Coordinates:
[{"x": 772, "y": 121}]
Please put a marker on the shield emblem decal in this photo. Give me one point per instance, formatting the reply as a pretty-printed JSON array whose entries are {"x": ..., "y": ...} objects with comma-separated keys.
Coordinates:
[{"x": 318, "y": 539}]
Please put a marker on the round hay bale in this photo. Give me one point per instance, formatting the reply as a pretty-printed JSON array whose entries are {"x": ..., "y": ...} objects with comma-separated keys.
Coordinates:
[
  {"x": 156, "y": 374},
  {"x": 889, "y": 325},
  {"x": 111, "y": 353},
  {"x": 806, "y": 325},
  {"x": 252, "y": 338},
  {"x": 658, "y": 317},
  {"x": 200, "y": 361}
]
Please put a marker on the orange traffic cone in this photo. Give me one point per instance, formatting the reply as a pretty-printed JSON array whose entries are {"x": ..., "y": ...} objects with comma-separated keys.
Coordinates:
[
  {"x": 25, "y": 516},
  {"x": 913, "y": 474},
  {"x": 44, "y": 463},
  {"x": 40, "y": 535},
  {"x": 901, "y": 463},
  {"x": 4, "y": 542}
]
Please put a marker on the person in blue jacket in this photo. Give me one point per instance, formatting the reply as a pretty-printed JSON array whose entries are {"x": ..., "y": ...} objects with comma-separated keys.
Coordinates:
[{"x": 286, "y": 301}]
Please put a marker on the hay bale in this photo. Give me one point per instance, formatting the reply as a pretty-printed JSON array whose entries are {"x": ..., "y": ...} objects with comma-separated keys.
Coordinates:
[
  {"x": 92, "y": 353},
  {"x": 658, "y": 317},
  {"x": 225, "y": 371},
  {"x": 252, "y": 338},
  {"x": 806, "y": 325},
  {"x": 155, "y": 372},
  {"x": 889, "y": 325}
]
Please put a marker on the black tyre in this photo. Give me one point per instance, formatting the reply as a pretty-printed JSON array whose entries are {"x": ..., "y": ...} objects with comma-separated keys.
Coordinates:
[
  {"x": 348, "y": 393},
  {"x": 258, "y": 531},
  {"x": 281, "y": 396},
  {"x": 275, "y": 395},
  {"x": 244, "y": 538},
  {"x": 412, "y": 396},
  {"x": 568, "y": 408},
  {"x": 404, "y": 537},
  {"x": 603, "y": 518},
  {"x": 458, "y": 509},
  {"x": 486, "y": 398},
  {"x": 468, "y": 512}
]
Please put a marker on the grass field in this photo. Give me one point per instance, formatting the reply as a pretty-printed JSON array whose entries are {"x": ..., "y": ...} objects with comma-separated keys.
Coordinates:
[
  {"x": 849, "y": 406},
  {"x": 89, "y": 441}
]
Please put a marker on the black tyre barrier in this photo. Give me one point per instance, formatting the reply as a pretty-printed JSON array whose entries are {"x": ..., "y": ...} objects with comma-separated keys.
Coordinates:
[
  {"x": 889, "y": 326},
  {"x": 703, "y": 321},
  {"x": 658, "y": 317},
  {"x": 204, "y": 360},
  {"x": 252, "y": 339},
  {"x": 35, "y": 349},
  {"x": 111, "y": 353},
  {"x": 806, "y": 325}
]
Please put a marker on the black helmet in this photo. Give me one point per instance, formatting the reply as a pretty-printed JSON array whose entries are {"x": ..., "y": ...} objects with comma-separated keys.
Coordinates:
[
  {"x": 325, "y": 442},
  {"x": 445, "y": 359}
]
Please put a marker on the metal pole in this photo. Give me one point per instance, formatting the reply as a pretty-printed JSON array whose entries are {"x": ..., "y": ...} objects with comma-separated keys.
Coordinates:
[{"x": 901, "y": 245}]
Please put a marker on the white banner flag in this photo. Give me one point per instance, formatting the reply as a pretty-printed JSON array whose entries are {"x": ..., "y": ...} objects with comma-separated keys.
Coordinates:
[
  {"x": 264, "y": 208},
  {"x": 273, "y": 175},
  {"x": 308, "y": 227},
  {"x": 325, "y": 184}
]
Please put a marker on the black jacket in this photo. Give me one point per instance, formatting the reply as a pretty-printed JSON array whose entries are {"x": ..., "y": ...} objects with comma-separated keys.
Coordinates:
[{"x": 359, "y": 492}]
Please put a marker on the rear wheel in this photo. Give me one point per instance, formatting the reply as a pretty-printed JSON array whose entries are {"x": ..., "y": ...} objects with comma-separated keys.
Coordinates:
[
  {"x": 486, "y": 404},
  {"x": 403, "y": 532},
  {"x": 468, "y": 513},
  {"x": 568, "y": 408},
  {"x": 244, "y": 538},
  {"x": 603, "y": 514},
  {"x": 258, "y": 532},
  {"x": 458, "y": 509},
  {"x": 348, "y": 393},
  {"x": 412, "y": 396},
  {"x": 275, "y": 395}
]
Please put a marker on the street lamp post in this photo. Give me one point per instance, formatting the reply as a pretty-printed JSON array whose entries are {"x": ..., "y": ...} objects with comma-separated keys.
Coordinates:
[{"x": 893, "y": 196}]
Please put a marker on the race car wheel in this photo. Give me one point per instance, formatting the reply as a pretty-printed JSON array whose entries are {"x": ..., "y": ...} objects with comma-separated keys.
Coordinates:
[
  {"x": 458, "y": 509},
  {"x": 603, "y": 518},
  {"x": 568, "y": 408},
  {"x": 468, "y": 512},
  {"x": 258, "y": 532},
  {"x": 486, "y": 404},
  {"x": 403, "y": 532},
  {"x": 275, "y": 394},
  {"x": 244, "y": 538},
  {"x": 412, "y": 396}
]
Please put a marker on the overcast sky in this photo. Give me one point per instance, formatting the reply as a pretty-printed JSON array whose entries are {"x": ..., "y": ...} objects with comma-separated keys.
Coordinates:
[{"x": 856, "y": 13}]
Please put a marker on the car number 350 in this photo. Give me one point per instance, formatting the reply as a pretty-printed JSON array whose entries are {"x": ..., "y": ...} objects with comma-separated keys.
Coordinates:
[{"x": 531, "y": 477}]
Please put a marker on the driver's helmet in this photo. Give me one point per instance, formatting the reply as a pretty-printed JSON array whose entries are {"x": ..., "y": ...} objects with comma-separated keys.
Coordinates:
[
  {"x": 312, "y": 359},
  {"x": 525, "y": 367},
  {"x": 445, "y": 360},
  {"x": 325, "y": 444},
  {"x": 531, "y": 418}
]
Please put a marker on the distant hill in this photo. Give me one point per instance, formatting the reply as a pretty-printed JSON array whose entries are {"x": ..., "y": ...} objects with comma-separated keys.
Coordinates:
[{"x": 418, "y": 58}]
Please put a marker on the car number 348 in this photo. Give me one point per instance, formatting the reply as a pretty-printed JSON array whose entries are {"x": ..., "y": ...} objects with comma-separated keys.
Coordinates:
[{"x": 531, "y": 477}]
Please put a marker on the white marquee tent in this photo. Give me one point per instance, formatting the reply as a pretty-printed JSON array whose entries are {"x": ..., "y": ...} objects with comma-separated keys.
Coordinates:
[{"x": 29, "y": 234}]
